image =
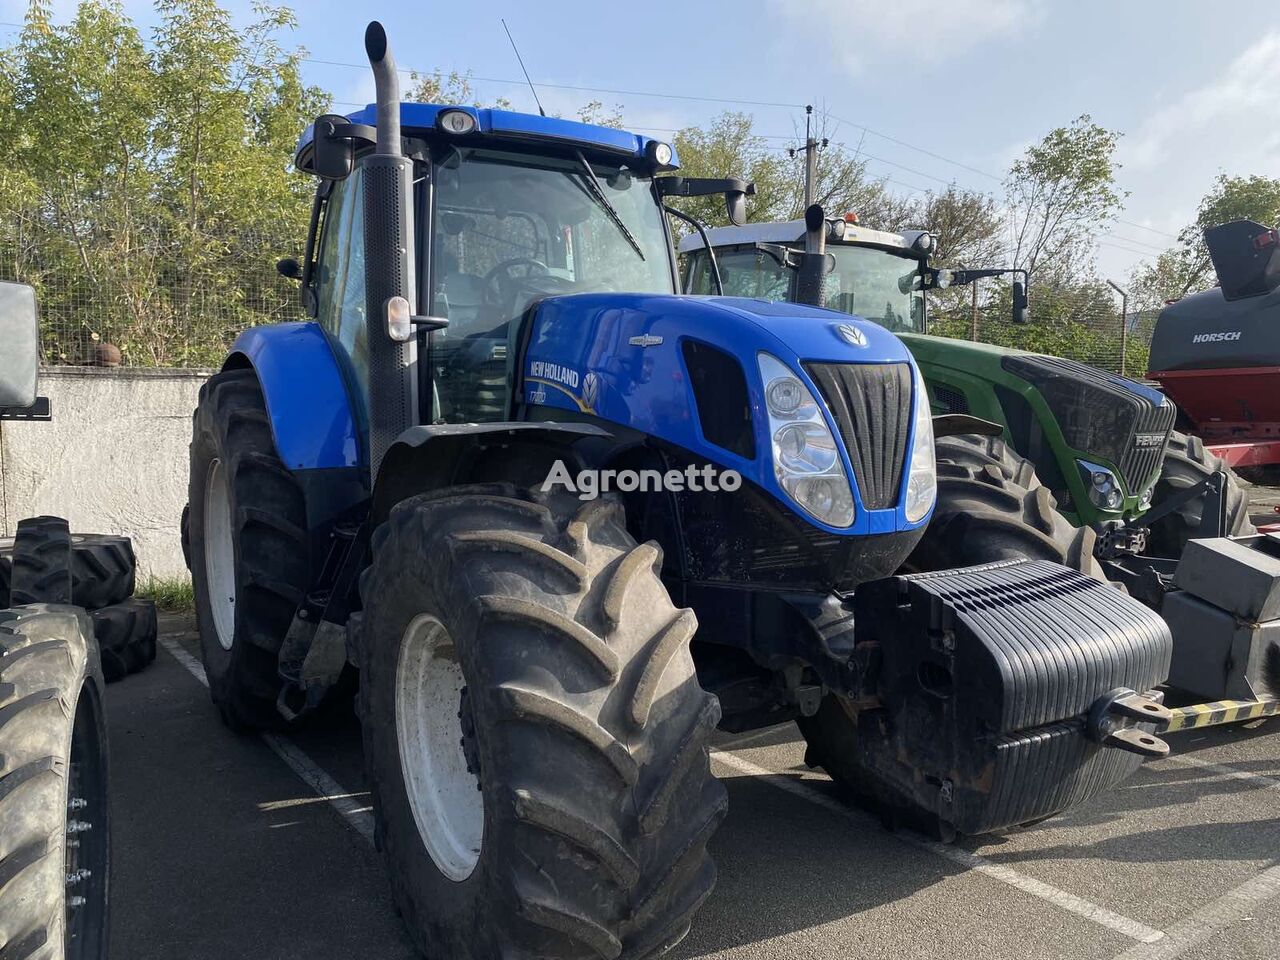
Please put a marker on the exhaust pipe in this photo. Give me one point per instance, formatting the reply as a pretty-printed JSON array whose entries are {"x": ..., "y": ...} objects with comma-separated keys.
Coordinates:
[
  {"x": 813, "y": 265},
  {"x": 389, "y": 259}
]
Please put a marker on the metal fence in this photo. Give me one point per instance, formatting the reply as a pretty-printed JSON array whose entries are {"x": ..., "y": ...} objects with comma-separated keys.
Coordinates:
[{"x": 155, "y": 305}]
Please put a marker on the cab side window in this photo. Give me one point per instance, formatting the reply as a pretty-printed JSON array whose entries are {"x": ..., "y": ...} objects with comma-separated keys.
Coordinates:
[
  {"x": 340, "y": 271},
  {"x": 744, "y": 272}
]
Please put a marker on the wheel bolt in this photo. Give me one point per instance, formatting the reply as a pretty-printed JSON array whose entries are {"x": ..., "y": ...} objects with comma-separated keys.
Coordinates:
[
  {"x": 77, "y": 803},
  {"x": 79, "y": 875},
  {"x": 78, "y": 826},
  {"x": 75, "y": 902}
]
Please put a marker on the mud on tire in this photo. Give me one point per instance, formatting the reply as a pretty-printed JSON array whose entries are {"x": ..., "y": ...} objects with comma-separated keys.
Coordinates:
[
  {"x": 268, "y": 566},
  {"x": 1186, "y": 463},
  {"x": 53, "y": 773},
  {"x": 581, "y": 716}
]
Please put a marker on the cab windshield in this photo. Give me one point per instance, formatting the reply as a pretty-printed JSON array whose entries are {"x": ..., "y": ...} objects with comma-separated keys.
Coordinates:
[
  {"x": 507, "y": 229},
  {"x": 874, "y": 284}
]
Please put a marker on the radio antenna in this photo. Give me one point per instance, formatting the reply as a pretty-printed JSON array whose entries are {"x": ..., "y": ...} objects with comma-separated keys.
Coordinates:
[{"x": 520, "y": 60}]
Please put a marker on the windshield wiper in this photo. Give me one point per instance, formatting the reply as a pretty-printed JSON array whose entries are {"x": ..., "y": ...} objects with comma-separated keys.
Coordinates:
[{"x": 591, "y": 187}]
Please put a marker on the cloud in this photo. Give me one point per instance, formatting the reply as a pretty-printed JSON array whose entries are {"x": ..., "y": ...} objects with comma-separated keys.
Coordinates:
[
  {"x": 862, "y": 31},
  {"x": 1237, "y": 110}
]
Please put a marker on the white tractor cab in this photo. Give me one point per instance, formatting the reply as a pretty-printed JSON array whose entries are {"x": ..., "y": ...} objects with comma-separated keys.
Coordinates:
[{"x": 879, "y": 275}]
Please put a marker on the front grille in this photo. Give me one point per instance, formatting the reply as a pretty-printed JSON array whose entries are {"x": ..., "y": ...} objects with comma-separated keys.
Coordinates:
[
  {"x": 1103, "y": 415},
  {"x": 871, "y": 404}
]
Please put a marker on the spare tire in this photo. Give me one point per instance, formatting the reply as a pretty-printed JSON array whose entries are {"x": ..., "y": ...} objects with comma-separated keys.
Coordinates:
[
  {"x": 1186, "y": 462},
  {"x": 126, "y": 634},
  {"x": 103, "y": 568}
]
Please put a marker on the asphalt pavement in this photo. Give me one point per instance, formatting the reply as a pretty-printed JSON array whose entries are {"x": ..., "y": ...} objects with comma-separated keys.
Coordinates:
[{"x": 231, "y": 846}]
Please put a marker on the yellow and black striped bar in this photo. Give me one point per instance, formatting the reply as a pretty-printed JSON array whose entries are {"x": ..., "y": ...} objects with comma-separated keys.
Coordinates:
[{"x": 1220, "y": 712}]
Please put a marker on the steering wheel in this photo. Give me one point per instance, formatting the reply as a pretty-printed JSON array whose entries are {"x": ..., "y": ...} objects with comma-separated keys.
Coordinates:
[{"x": 502, "y": 278}]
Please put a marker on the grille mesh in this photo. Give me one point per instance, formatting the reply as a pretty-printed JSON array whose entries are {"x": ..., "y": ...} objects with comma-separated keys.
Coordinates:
[
  {"x": 871, "y": 403},
  {"x": 1103, "y": 414}
]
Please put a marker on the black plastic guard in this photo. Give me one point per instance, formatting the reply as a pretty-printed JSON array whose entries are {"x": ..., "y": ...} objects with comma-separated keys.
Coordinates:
[{"x": 986, "y": 677}]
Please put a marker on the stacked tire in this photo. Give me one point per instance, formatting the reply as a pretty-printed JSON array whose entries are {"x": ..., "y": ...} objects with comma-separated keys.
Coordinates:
[{"x": 103, "y": 574}]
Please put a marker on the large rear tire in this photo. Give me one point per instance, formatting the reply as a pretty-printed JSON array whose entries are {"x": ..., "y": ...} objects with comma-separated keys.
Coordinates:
[
  {"x": 1186, "y": 463},
  {"x": 103, "y": 569},
  {"x": 530, "y": 650},
  {"x": 54, "y": 817},
  {"x": 248, "y": 547}
]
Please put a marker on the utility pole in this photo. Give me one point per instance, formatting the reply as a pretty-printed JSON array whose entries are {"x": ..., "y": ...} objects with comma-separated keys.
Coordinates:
[
  {"x": 1124, "y": 323},
  {"x": 811, "y": 148}
]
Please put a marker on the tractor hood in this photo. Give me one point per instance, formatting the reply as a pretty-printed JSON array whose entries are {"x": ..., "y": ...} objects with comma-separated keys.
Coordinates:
[{"x": 685, "y": 370}]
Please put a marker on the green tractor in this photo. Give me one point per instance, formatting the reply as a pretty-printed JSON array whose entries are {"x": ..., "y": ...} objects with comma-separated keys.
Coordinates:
[{"x": 1104, "y": 445}]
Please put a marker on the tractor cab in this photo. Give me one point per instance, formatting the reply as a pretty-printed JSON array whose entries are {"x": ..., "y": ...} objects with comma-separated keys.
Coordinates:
[{"x": 510, "y": 209}]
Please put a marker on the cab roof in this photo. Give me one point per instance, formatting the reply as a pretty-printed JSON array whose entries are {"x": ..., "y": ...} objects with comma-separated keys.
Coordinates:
[
  {"x": 792, "y": 231},
  {"x": 500, "y": 125}
]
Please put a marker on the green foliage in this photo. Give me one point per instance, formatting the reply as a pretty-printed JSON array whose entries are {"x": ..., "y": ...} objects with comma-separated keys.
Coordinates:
[
  {"x": 1061, "y": 193},
  {"x": 148, "y": 189},
  {"x": 171, "y": 594}
]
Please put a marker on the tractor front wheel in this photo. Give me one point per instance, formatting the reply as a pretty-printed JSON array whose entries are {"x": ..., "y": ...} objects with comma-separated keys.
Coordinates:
[
  {"x": 1186, "y": 463},
  {"x": 248, "y": 549},
  {"x": 535, "y": 735}
]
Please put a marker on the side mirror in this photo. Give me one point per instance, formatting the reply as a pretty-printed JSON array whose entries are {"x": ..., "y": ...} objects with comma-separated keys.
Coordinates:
[
  {"x": 735, "y": 203},
  {"x": 1019, "y": 302},
  {"x": 19, "y": 345},
  {"x": 333, "y": 155}
]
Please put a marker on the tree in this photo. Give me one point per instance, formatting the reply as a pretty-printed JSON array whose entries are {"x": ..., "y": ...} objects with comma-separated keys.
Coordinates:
[
  {"x": 148, "y": 188},
  {"x": 1062, "y": 193},
  {"x": 1185, "y": 268}
]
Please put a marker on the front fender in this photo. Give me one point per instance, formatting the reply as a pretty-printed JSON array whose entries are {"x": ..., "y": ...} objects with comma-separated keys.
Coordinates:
[{"x": 308, "y": 399}]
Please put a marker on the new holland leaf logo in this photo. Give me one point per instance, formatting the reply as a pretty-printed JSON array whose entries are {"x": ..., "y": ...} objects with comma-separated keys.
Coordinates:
[{"x": 851, "y": 334}]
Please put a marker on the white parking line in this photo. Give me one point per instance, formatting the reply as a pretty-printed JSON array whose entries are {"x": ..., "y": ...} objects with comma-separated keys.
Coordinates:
[
  {"x": 357, "y": 815},
  {"x": 970, "y": 861},
  {"x": 1232, "y": 906}
]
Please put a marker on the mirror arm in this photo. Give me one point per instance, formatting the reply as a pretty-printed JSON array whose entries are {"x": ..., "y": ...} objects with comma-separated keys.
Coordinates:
[{"x": 706, "y": 244}]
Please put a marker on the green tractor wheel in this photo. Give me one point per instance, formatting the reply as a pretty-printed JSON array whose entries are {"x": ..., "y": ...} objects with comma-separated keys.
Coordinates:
[{"x": 1186, "y": 463}]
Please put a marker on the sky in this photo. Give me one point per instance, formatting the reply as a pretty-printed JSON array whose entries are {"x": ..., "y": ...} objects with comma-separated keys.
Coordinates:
[{"x": 929, "y": 91}]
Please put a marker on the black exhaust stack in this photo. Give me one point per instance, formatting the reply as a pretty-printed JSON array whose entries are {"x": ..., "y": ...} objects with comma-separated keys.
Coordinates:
[
  {"x": 813, "y": 263},
  {"x": 389, "y": 259}
]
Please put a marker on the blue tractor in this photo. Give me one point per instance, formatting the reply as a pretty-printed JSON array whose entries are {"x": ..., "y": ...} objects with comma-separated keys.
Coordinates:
[{"x": 399, "y": 489}]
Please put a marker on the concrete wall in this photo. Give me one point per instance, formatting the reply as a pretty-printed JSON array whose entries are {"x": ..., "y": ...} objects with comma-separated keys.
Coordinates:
[{"x": 113, "y": 459}]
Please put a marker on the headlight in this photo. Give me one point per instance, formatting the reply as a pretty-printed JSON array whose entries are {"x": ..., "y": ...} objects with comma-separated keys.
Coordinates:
[
  {"x": 806, "y": 459},
  {"x": 457, "y": 122},
  {"x": 1104, "y": 488},
  {"x": 922, "y": 481}
]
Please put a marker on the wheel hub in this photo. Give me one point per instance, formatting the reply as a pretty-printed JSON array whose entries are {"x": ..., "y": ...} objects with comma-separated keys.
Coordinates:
[{"x": 439, "y": 759}]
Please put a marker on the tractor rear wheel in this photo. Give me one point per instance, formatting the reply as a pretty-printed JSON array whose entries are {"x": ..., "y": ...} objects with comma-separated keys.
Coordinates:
[
  {"x": 54, "y": 815},
  {"x": 1186, "y": 463},
  {"x": 248, "y": 547},
  {"x": 535, "y": 735}
]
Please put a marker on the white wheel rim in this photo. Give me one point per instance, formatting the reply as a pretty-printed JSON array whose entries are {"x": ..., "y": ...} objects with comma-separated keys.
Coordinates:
[
  {"x": 447, "y": 804},
  {"x": 220, "y": 554}
]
